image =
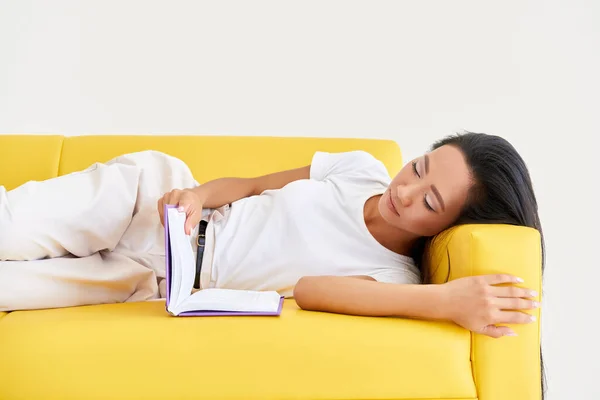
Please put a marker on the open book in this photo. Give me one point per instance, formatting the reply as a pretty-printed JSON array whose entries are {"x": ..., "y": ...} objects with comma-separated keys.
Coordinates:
[{"x": 180, "y": 273}]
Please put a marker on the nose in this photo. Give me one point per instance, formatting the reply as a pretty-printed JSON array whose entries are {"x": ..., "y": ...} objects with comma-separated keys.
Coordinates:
[{"x": 406, "y": 194}]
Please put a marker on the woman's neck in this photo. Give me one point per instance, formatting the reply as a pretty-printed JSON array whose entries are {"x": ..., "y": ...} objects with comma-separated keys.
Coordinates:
[{"x": 390, "y": 237}]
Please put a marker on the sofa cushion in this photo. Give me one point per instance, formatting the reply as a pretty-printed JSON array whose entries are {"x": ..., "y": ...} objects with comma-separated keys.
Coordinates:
[
  {"x": 137, "y": 351},
  {"x": 211, "y": 157},
  {"x": 26, "y": 158}
]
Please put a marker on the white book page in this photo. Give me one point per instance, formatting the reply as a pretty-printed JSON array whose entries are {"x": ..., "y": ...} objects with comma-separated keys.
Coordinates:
[
  {"x": 183, "y": 265},
  {"x": 214, "y": 299}
]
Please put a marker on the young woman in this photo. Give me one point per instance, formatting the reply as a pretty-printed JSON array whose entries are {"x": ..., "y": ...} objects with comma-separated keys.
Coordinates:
[{"x": 339, "y": 235}]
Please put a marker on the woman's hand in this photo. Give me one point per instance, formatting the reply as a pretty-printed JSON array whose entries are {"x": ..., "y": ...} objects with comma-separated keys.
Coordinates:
[
  {"x": 187, "y": 201},
  {"x": 476, "y": 304}
]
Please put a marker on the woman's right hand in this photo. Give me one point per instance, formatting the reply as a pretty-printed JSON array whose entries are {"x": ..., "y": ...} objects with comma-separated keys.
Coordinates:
[
  {"x": 187, "y": 201},
  {"x": 475, "y": 303}
]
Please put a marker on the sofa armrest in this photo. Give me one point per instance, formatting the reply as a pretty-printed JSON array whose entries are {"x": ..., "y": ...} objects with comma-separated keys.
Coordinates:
[{"x": 509, "y": 367}]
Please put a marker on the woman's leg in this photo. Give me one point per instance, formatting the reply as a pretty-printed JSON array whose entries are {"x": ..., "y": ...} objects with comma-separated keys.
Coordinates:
[
  {"x": 108, "y": 208},
  {"x": 144, "y": 241},
  {"x": 79, "y": 213},
  {"x": 104, "y": 277}
]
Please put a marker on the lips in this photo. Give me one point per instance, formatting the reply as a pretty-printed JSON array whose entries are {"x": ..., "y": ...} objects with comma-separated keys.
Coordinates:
[{"x": 391, "y": 204}]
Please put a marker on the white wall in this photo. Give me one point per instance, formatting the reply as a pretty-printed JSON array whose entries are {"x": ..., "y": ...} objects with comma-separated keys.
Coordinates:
[{"x": 410, "y": 71}]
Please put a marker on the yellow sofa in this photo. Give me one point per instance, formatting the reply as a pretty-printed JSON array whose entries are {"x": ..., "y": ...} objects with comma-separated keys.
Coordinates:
[{"x": 136, "y": 351}]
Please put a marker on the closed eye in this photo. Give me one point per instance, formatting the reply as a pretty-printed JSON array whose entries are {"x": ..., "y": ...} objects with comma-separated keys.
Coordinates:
[
  {"x": 414, "y": 167},
  {"x": 425, "y": 202},
  {"x": 427, "y": 206}
]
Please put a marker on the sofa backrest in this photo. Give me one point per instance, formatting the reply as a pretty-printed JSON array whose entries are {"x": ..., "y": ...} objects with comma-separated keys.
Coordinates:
[{"x": 38, "y": 157}]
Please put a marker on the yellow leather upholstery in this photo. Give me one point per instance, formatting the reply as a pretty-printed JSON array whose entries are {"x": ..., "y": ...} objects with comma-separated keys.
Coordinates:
[
  {"x": 123, "y": 351},
  {"x": 137, "y": 351},
  {"x": 28, "y": 157},
  {"x": 211, "y": 157},
  {"x": 497, "y": 249}
]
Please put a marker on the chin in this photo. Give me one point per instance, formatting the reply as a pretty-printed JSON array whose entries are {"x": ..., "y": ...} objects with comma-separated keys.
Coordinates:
[
  {"x": 391, "y": 217},
  {"x": 388, "y": 215}
]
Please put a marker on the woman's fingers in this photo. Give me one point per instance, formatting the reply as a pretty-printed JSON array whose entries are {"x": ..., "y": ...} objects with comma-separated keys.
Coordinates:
[
  {"x": 512, "y": 291},
  {"x": 514, "y": 298},
  {"x": 193, "y": 209},
  {"x": 511, "y": 297},
  {"x": 497, "y": 279},
  {"x": 497, "y": 331},
  {"x": 173, "y": 197},
  {"x": 185, "y": 201},
  {"x": 504, "y": 303},
  {"x": 192, "y": 220},
  {"x": 505, "y": 331},
  {"x": 514, "y": 317},
  {"x": 170, "y": 198},
  {"x": 491, "y": 330}
]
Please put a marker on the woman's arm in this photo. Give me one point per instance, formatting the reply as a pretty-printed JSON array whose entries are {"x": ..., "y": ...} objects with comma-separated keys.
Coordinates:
[
  {"x": 474, "y": 302},
  {"x": 218, "y": 192},
  {"x": 365, "y": 296}
]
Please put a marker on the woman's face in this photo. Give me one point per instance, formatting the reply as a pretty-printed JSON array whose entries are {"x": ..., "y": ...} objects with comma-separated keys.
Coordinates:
[{"x": 429, "y": 193}]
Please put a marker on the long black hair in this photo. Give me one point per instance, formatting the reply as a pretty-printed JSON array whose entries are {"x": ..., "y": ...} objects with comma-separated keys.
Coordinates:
[{"x": 501, "y": 193}]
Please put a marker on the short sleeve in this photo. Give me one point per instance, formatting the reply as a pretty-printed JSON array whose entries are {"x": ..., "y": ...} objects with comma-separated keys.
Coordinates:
[
  {"x": 404, "y": 275},
  {"x": 347, "y": 165}
]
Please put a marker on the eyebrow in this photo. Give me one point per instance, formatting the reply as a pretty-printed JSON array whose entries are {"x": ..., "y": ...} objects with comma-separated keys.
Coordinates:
[
  {"x": 426, "y": 164},
  {"x": 439, "y": 197}
]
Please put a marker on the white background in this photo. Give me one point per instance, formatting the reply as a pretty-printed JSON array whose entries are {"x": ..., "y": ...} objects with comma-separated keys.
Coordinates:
[{"x": 410, "y": 71}]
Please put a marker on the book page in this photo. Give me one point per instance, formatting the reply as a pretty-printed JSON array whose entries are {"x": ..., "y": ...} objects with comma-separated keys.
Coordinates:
[
  {"x": 183, "y": 265},
  {"x": 232, "y": 300}
]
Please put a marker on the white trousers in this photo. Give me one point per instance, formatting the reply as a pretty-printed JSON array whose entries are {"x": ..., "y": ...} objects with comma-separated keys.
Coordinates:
[{"x": 89, "y": 237}]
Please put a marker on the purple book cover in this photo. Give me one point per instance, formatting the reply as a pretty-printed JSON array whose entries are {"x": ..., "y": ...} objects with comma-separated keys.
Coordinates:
[{"x": 200, "y": 313}]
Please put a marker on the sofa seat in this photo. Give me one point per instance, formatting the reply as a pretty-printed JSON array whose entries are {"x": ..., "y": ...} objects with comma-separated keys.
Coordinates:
[{"x": 138, "y": 351}]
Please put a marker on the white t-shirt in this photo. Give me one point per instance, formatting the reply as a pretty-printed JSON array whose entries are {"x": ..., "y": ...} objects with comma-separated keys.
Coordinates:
[{"x": 312, "y": 226}]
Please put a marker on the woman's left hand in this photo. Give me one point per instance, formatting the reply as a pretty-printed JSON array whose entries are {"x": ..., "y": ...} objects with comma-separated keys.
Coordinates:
[{"x": 477, "y": 304}]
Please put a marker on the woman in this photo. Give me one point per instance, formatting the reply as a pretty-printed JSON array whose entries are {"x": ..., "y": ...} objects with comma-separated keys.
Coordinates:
[
  {"x": 343, "y": 210},
  {"x": 338, "y": 234}
]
